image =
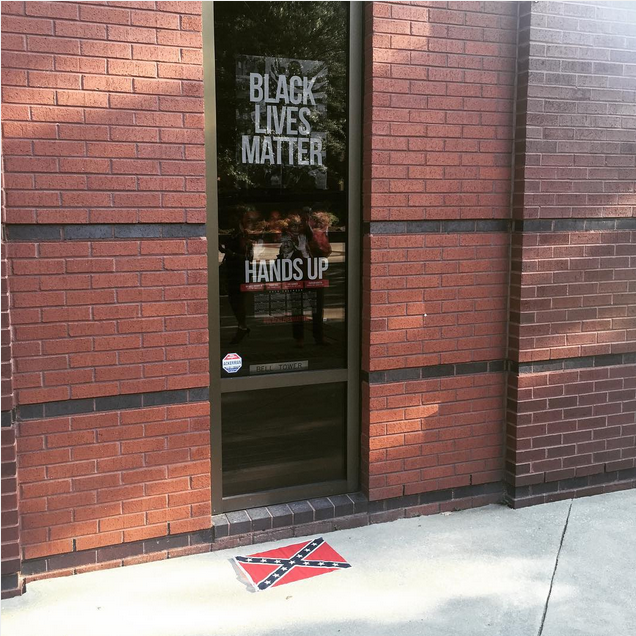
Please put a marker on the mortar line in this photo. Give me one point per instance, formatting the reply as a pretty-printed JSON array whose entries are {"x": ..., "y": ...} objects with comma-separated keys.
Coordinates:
[{"x": 556, "y": 564}]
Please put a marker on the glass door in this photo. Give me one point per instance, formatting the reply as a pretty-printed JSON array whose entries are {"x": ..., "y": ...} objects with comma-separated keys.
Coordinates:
[{"x": 283, "y": 156}]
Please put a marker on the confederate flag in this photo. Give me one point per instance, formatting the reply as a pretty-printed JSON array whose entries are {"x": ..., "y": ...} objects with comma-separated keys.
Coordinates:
[{"x": 291, "y": 563}]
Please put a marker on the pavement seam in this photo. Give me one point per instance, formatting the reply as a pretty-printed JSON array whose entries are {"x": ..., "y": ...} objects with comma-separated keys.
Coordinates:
[{"x": 556, "y": 564}]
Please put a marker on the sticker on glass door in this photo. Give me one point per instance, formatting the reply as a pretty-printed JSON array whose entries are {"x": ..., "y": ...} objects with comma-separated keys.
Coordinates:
[{"x": 232, "y": 363}]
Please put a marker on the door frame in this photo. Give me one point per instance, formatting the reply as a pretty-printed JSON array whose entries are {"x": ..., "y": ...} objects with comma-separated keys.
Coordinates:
[{"x": 350, "y": 375}]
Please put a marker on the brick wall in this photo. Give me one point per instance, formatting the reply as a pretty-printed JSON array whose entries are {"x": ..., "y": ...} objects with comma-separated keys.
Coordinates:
[
  {"x": 573, "y": 294},
  {"x": 574, "y": 277},
  {"x": 437, "y": 298},
  {"x": 11, "y": 555},
  {"x": 11, "y": 585},
  {"x": 105, "y": 179},
  {"x": 102, "y": 110},
  {"x": 577, "y": 141},
  {"x": 572, "y": 424},
  {"x": 107, "y": 478},
  {"x": 498, "y": 325},
  {"x": 438, "y": 142},
  {"x": 439, "y": 97},
  {"x": 434, "y": 434},
  {"x": 7, "y": 365},
  {"x": 104, "y": 318}
]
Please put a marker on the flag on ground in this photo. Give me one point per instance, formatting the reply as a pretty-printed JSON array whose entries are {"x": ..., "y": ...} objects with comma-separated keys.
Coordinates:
[{"x": 290, "y": 563}]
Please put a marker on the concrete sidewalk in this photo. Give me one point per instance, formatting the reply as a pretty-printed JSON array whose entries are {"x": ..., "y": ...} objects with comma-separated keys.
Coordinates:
[{"x": 561, "y": 569}]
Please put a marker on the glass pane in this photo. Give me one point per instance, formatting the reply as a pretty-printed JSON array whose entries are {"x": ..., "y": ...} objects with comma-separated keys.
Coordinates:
[
  {"x": 282, "y": 103},
  {"x": 283, "y": 437}
]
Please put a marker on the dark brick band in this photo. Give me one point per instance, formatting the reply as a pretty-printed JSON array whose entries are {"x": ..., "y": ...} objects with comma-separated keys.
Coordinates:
[
  {"x": 302, "y": 518},
  {"x": 160, "y": 398},
  {"x": 11, "y": 585},
  {"x": 436, "y": 371},
  {"x": 286, "y": 515},
  {"x": 584, "y": 362},
  {"x": 89, "y": 232},
  {"x": 85, "y": 232},
  {"x": 430, "y": 227},
  {"x": 573, "y": 225},
  {"x": 496, "y": 366},
  {"x": 498, "y": 225},
  {"x": 71, "y": 560},
  {"x": 438, "y": 496},
  {"x": 8, "y": 417},
  {"x": 566, "y": 488},
  {"x": 336, "y": 507},
  {"x": 113, "y": 403}
]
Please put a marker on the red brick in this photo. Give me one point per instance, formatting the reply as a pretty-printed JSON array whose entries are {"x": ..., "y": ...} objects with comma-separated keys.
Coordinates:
[
  {"x": 98, "y": 540},
  {"x": 121, "y": 522},
  {"x": 86, "y": 513},
  {"x": 132, "y": 68},
  {"x": 46, "y": 549},
  {"x": 178, "y": 71},
  {"x": 148, "y": 532},
  {"x": 95, "y": 481},
  {"x": 16, "y": 24},
  {"x": 66, "y": 11},
  {"x": 44, "y": 519},
  {"x": 107, "y": 83},
  {"x": 190, "y": 525},
  {"x": 104, "y": 15},
  {"x": 155, "y": 19}
]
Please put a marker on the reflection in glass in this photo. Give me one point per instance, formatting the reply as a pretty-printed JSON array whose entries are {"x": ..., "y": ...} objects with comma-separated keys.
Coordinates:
[
  {"x": 283, "y": 437},
  {"x": 281, "y": 84}
]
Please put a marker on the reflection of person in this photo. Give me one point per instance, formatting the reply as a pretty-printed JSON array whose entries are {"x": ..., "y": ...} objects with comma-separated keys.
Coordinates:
[
  {"x": 299, "y": 232},
  {"x": 307, "y": 237},
  {"x": 275, "y": 226},
  {"x": 237, "y": 248},
  {"x": 320, "y": 222},
  {"x": 320, "y": 247}
]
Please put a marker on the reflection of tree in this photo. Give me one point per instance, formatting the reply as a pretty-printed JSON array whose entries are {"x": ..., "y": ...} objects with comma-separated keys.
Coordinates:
[{"x": 297, "y": 30}]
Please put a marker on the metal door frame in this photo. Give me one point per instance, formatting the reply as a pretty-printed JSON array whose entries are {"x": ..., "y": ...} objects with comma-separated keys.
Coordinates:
[{"x": 351, "y": 374}]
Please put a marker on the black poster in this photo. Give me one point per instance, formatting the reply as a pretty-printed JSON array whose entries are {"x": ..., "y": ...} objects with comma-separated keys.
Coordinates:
[{"x": 282, "y": 108}]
